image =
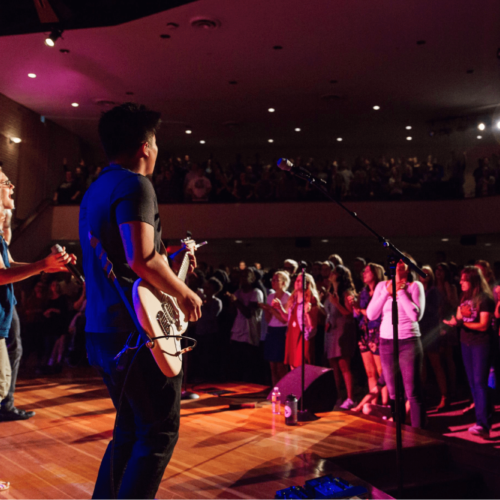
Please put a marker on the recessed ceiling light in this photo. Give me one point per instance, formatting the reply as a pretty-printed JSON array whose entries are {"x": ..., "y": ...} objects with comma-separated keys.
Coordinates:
[
  {"x": 445, "y": 239},
  {"x": 376, "y": 108},
  {"x": 408, "y": 127},
  {"x": 487, "y": 244},
  {"x": 271, "y": 110},
  {"x": 481, "y": 126},
  {"x": 324, "y": 241},
  {"x": 270, "y": 140},
  {"x": 479, "y": 136},
  {"x": 238, "y": 241},
  {"x": 409, "y": 138},
  {"x": 298, "y": 129},
  {"x": 339, "y": 139},
  {"x": 202, "y": 142},
  {"x": 75, "y": 104},
  {"x": 189, "y": 131},
  {"x": 32, "y": 75},
  {"x": 15, "y": 140}
]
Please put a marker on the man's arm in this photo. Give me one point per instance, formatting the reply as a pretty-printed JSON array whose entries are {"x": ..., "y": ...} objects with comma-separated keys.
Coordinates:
[
  {"x": 138, "y": 242},
  {"x": 54, "y": 263}
]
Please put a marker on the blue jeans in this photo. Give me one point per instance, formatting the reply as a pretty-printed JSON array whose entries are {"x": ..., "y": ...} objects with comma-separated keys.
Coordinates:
[
  {"x": 147, "y": 426},
  {"x": 477, "y": 360},
  {"x": 410, "y": 364}
]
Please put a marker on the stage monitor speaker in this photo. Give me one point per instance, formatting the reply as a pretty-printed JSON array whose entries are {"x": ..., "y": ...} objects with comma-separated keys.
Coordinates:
[{"x": 319, "y": 387}]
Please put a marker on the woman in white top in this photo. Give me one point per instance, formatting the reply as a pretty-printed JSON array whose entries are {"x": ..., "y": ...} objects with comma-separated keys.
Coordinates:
[
  {"x": 274, "y": 346},
  {"x": 411, "y": 305}
]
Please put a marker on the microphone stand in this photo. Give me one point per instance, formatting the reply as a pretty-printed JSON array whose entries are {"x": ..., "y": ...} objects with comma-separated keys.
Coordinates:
[
  {"x": 395, "y": 255},
  {"x": 304, "y": 415}
]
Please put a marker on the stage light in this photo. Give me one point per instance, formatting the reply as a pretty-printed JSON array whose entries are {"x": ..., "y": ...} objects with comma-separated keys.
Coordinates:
[
  {"x": 339, "y": 139},
  {"x": 298, "y": 129},
  {"x": 271, "y": 110},
  {"x": 238, "y": 241},
  {"x": 408, "y": 127},
  {"x": 270, "y": 140},
  {"x": 75, "y": 104},
  {"x": 445, "y": 239},
  {"x": 409, "y": 138},
  {"x": 15, "y": 140},
  {"x": 189, "y": 131},
  {"x": 481, "y": 126},
  {"x": 31, "y": 75},
  {"x": 53, "y": 37},
  {"x": 498, "y": 124},
  {"x": 202, "y": 142},
  {"x": 376, "y": 108},
  {"x": 479, "y": 136},
  {"x": 324, "y": 241}
]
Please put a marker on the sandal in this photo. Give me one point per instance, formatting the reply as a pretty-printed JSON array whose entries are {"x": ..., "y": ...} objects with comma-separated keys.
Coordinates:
[{"x": 4, "y": 485}]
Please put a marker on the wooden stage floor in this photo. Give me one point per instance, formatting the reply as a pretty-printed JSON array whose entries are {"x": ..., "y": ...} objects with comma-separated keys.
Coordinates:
[{"x": 221, "y": 453}]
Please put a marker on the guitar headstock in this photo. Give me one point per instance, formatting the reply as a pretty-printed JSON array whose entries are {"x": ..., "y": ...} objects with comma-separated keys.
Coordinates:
[{"x": 189, "y": 244}]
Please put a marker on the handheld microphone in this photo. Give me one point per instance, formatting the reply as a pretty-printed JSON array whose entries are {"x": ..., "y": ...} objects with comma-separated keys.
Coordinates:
[{"x": 70, "y": 267}]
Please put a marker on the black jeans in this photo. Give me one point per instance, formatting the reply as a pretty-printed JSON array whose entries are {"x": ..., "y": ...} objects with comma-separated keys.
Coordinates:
[
  {"x": 410, "y": 362},
  {"x": 147, "y": 426},
  {"x": 15, "y": 350}
]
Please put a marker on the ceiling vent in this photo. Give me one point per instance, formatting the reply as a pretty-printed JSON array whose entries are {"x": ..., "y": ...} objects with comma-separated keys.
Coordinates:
[
  {"x": 104, "y": 103},
  {"x": 205, "y": 23}
]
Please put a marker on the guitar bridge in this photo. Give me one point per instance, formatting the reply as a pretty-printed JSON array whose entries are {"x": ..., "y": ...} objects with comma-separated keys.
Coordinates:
[{"x": 164, "y": 322}]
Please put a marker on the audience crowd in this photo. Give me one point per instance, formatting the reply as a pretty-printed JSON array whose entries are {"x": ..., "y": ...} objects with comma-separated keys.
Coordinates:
[
  {"x": 179, "y": 180},
  {"x": 252, "y": 321}
]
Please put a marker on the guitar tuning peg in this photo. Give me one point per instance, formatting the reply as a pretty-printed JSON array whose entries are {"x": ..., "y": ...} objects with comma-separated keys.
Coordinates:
[{"x": 189, "y": 234}]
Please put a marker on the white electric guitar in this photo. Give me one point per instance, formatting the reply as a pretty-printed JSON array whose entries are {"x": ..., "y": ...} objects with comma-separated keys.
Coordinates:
[{"x": 160, "y": 315}]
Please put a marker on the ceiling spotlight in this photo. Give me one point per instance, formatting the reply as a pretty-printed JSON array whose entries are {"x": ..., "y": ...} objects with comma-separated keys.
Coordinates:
[
  {"x": 189, "y": 131},
  {"x": 487, "y": 244},
  {"x": 270, "y": 140},
  {"x": 298, "y": 129},
  {"x": 271, "y": 110},
  {"x": 75, "y": 104},
  {"x": 479, "y": 136},
  {"x": 31, "y": 75},
  {"x": 238, "y": 241},
  {"x": 408, "y": 127},
  {"x": 409, "y": 138},
  {"x": 481, "y": 126},
  {"x": 376, "y": 108},
  {"x": 498, "y": 124},
  {"x": 53, "y": 37},
  {"x": 324, "y": 241},
  {"x": 445, "y": 239},
  {"x": 339, "y": 139},
  {"x": 15, "y": 140},
  {"x": 202, "y": 142}
]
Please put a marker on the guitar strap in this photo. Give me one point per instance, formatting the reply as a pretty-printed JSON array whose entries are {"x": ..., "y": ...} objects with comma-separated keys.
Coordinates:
[{"x": 107, "y": 267}]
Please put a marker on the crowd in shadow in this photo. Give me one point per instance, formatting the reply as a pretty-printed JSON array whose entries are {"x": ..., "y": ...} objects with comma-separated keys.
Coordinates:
[{"x": 180, "y": 180}]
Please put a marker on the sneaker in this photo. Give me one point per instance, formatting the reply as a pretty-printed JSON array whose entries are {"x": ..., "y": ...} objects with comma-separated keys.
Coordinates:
[
  {"x": 347, "y": 404},
  {"x": 478, "y": 430}
]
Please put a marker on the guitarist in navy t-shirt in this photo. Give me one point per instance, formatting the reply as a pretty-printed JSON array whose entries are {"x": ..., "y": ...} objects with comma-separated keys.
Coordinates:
[{"x": 120, "y": 209}]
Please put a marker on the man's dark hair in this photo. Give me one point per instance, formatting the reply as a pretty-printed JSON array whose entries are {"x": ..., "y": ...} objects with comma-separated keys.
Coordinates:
[{"x": 124, "y": 128}]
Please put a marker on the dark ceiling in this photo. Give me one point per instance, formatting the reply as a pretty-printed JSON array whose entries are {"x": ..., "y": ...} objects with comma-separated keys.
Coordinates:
[{"x": 217, "y": 66}]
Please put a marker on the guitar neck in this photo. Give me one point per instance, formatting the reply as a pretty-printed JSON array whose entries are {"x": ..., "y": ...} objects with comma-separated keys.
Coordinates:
[{"x": 184, "y": 268}]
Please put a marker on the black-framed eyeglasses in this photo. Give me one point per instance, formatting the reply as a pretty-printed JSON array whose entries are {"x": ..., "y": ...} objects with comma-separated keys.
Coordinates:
[{"x": 6, "y": 183}]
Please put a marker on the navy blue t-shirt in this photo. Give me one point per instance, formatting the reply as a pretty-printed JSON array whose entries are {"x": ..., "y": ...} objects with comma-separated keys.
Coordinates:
[
  {"x": 116, "y": 197},
  {"x": 7, "y": 299}
]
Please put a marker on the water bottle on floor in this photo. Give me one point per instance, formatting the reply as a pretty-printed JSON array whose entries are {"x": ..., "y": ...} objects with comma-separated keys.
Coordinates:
[{"x": 276, "y": 400}]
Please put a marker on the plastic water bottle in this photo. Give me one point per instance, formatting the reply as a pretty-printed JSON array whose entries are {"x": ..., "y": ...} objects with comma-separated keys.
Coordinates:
[
  {"x": 291, "y": 410},
  {"x": 276, "y": 400}
]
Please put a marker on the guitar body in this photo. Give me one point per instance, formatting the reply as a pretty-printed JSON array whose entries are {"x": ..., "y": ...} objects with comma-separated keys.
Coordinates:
[{"x": 159, "y": 314}]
